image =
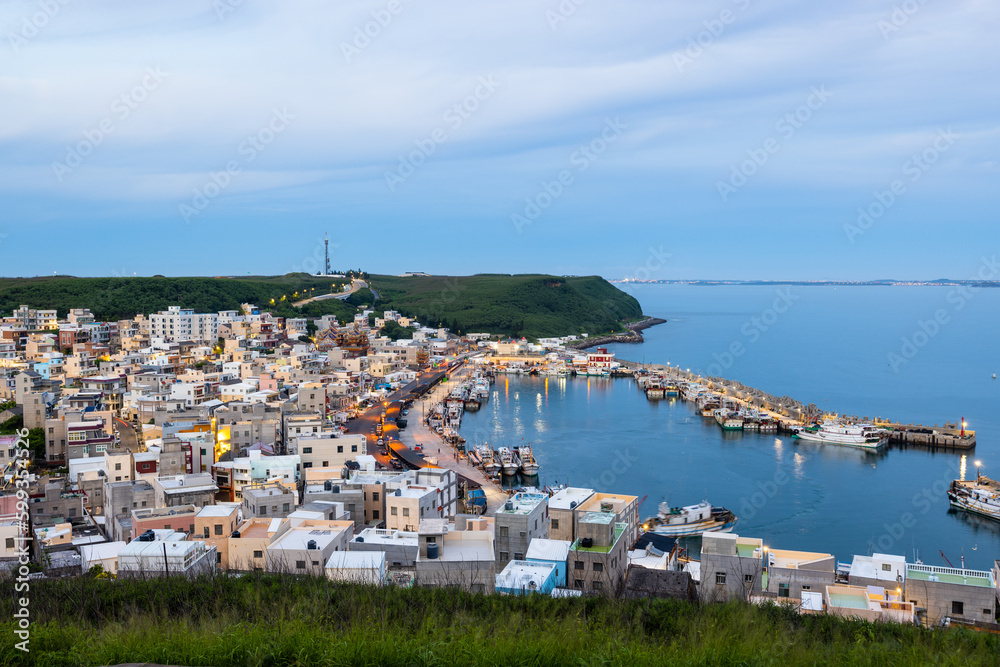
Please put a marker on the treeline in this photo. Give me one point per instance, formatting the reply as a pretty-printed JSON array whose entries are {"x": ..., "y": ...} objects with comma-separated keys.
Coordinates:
[
  {"x": 521, "y": 305},
  {"x": 119, "y": 298}
]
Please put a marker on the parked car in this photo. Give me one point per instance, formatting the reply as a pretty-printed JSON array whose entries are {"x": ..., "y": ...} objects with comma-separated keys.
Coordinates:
[
  {"x": 380, "y": 442},
  {"x": 418, "y": 448}
]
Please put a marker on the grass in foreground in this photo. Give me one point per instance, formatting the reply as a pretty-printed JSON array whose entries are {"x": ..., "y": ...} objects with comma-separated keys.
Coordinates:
[{"x": 281, "y": 620}]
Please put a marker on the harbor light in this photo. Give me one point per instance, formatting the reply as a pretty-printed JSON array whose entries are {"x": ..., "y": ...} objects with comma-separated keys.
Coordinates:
[{"x": 979, "y": 466}]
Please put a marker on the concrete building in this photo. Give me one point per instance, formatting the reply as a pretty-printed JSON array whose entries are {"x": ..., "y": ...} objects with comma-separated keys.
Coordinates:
[
  {"x": 306, "y": 548},
  {"x": 625, "y": 509},
  {"x": 198, "y": 489},
  {"x": 522, "y": 518},
  {"x": 883, "y": 570},
  {"x": 247, "y": 546},
  {"x": 214, "y": 525},
  {"x": 551, "y": 551},
  {"x": 328, "y": 452},
  {"x": 521, "y": 577},
  {"x": 120, "y": 498},
  {"x": 965, "y": 596},
  {"x": 598, "y": 557},
  {"x": 268, "y": 500},
  {"x": 176, "y": 323},
  {"x": 867, "y": 603},
  {"x": 357, "y": 567},
  {"x": 179, "y": 519},
  {"x": 790, "y": 573},
  {"x": 400, "y": 548},
  {"x": 462, "y": 557},
  {"x": 732, "y": 567},
  {"x": 562, "y": 512},
  {"x": 165, "y": 553}
]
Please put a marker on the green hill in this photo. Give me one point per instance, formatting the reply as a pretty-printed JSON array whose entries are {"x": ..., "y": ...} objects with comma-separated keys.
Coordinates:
[
  {"x": 522, "y": 305},
  {"x": 263, "y": 619}
]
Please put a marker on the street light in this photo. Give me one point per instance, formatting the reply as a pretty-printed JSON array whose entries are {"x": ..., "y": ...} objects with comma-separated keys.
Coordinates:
[{"x": 979, "y": 465}]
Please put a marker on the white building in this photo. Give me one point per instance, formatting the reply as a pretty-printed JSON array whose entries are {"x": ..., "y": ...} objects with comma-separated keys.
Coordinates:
[{"x": 177, "y": 323}]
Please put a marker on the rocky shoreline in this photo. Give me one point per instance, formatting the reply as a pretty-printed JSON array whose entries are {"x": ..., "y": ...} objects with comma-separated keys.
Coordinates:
[{"x": 633, "y": 336}]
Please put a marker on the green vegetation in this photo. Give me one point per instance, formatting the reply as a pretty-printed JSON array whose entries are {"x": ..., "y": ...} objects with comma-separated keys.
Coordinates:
[
  {"x": 36, "y": 436},
  {"x": 115, "y": 298},
  {"x": 521, "y": 305},
  {"x": 395, "y": 332},
  {"x": 261, "y": 619}
]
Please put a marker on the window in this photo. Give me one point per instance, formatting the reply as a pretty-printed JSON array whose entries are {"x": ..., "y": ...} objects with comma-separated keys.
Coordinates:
[
  {"x": 518, "y": 556},
  {"x": 578, "y": 565},
  {"x": 307, "y": 450},
  {"x": 578, "y": 583},
  {"x": 886, "y": 567},
  {"x": 432, "y": 539},
  {"x": 143, "y": 503},
  {"x": 555, "y": 524},
  {"x": 406, "y": 511},
  {"x": 598, "y": 567},
  {"x": 957, "y": 608},
  {"x": 218, "y": 529},
  {"x": 392, "y": 511},
  {"x": 258, "y": 554},
  {"x": 720, "y": 578},
  {"x": 206, "y": 532},
  {"x": 284, "y": 507},
  {"x": 315, "y": 563},
  {"x": 806, "y": 588},
  {"x": 340, "y": 449},
  {"x": 10, "y": 542},
  {"x": 597, "y": 585},
  {"x": 375, "y": 515},
  {"x": 326, "y": 464},
  {"x": 375, "y": 496},
  {"x": 300, "y": 564},
  {"x": 783, "y": 590},
  {"x": 263, "y": 510},
  {"x": 988, "y": 612},
  {"x": 354, "y": 448},
  {"x": 748, "y": 578},
  {"x": 504, "y": 555},
  {"x": 504, "y": 531},
  {"x": 118, "y": 466}
]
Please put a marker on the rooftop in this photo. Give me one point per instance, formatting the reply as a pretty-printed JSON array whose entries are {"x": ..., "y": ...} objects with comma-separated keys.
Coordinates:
[
  {"x": 298, "y": 538},
  {"x": 216, "y": 510},
  {"x": 520, "y": 574},
  {"x": 949, "y": 575},
  {"x": 597, "y": 517},
  {"x": 542, "y": 549},
  {"x": 569, "y": 498},
  {"x": 522, "y": 503},
  {"x": 619, "y": 529},
  {"x": 382, "y": 536}
]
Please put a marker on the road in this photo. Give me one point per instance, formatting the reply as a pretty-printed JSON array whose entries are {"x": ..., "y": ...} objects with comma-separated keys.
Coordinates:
[
  {"x": 127, "y": 436},
  {"x": 355, "y": 286}
]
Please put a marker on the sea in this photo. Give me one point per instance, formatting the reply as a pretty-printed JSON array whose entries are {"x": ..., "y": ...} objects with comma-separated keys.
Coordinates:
[{"x": 913, "y": 354}]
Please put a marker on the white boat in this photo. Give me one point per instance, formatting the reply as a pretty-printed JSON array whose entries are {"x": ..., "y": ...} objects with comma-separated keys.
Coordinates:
[
  {"x": 654, "y": 387},
  {"x": 508, "y": 462},
  {"x": 729, "y": 420},
  {"x": 529, "y": 466},
  {"x": 690, "y": 520},
  {"x": 981, "y": 496},
  {"x": 865, "y": 436},
  {"x": 490, "y": 464}
]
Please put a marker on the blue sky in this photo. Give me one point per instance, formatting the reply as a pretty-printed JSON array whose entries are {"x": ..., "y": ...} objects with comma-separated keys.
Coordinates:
[{"x": 727, "y": 139}]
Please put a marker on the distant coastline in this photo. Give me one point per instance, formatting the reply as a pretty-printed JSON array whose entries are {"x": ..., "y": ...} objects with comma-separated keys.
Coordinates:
[{"x": 942, "y": 282}]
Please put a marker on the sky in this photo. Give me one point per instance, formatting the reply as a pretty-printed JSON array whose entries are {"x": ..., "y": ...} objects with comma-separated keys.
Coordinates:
[{"x": 732, "y": 139}]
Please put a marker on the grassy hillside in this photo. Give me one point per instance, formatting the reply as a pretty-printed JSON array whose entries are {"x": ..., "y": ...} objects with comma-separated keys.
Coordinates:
[
  {"x": 260, "y": 619},
  {"x": 523, "y": 305},
  {"x": 116, "y": 298}
]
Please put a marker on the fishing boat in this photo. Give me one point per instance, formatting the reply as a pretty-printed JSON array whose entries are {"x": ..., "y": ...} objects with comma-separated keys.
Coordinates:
[
  {"x": 728, "y": 419},
  {"x": 654, "y": 387},
  {"x": 529, "y": 466},
  {"x": 865, "y": 436},
  {"x": 490, "y": 465},
  {"x": 690, "y": 520},
  {"x": 671, "y": 390},
  {"x": 981, "y": 496},
  {"x": 508, "y": 462}
]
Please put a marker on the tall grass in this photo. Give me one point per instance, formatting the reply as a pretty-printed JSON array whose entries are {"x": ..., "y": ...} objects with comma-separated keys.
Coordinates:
[{"x": 263, "y": 619}]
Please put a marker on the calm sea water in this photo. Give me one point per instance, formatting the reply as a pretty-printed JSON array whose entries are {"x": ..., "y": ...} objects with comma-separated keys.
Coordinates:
[{"x": 824, "y": 345}]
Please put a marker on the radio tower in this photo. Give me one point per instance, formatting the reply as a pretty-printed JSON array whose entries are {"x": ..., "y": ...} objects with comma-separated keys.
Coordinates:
[{"x": 326, "y": 252}]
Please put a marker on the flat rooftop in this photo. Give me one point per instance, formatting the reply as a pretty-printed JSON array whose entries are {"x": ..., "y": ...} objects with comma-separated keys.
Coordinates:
[
  {"x": 603, "y": 518},
  {"x": 386, "y": 537},
  {"x": 543, "y": 549},
  {"x": 948, "y": 575},
  {"x": 215, "y": 511},
  {"x": 563, "y": 499},
  {"x": 524, "y": 574},
  {"x": 619, "y": 529},
  {"x": 522, "y": 503},
  {"x": 298, "y": 538}
]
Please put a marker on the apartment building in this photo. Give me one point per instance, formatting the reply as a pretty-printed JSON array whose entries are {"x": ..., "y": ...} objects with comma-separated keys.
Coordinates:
[
  {"x": 178, "y": 323},
  {"x": 598, "y": 557},
  {"x": 523, "y": 518},
  {"x": 269, "y": 499}
]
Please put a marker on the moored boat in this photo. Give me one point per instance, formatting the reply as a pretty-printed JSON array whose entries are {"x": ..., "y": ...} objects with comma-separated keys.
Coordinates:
[
  {"x": 865, "y": 436},
  {"x": 508, "y": 463},
  {"x": 529, "y": 466},
  {"x": 690, "y": 520},
  {"x": 980, "y": 496}
]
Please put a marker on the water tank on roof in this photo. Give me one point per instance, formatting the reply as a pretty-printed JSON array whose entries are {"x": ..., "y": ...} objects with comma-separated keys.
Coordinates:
[
  {"x": 572, "y": 504},
  {"x": 586, "y": 542},
  {"x": 399, "y": 492},
  {"x": 359, "y": 539},
  {"x": 328, "y": 485},
  {"x": 236, "y": 533},
  {"x": 432, "y": 550},
  {"x": 311, "y": 544},
  {"x": 336, "y": 488},
  {"x": 509, "y": 506}
]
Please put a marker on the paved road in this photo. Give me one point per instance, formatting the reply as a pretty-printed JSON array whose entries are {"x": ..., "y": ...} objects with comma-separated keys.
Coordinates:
[
  {"x": 128, "y": 438},
  {"x": 355, "y": 286}
]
